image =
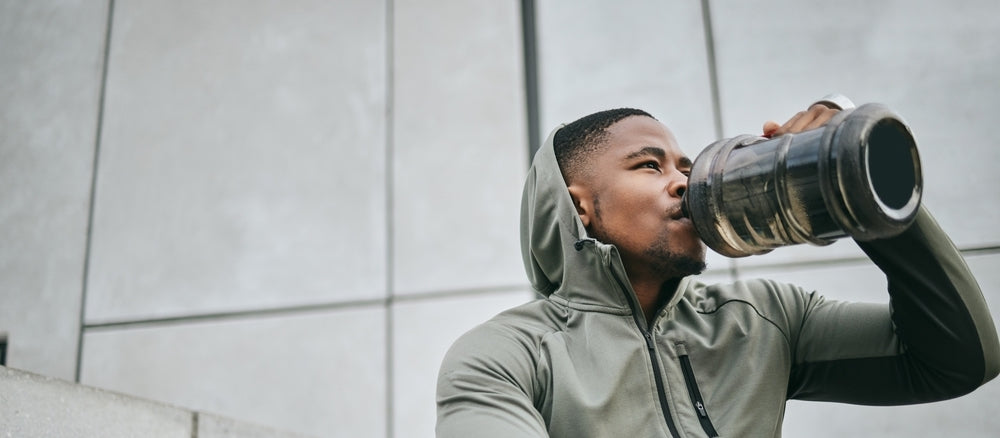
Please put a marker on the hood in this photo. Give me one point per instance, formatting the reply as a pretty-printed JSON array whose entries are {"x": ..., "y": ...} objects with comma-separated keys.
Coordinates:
[{"x": 559, "y": 257}]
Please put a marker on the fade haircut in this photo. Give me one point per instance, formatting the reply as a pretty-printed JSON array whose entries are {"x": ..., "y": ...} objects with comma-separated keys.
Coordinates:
[{"x": 576, "y": 142}]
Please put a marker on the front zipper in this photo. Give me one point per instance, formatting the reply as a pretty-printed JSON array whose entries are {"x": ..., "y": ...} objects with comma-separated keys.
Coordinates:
[
  {"x": 659, "y": 379},
  {"x": 651, "y": 348},
  {"x": 699, "y": 403}
]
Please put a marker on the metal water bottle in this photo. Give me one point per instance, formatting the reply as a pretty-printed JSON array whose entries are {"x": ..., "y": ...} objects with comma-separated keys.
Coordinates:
[{"x": 859, "y": 176}]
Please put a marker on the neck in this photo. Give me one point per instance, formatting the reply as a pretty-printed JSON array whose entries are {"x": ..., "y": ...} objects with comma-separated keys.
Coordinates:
[{"x": 653, "y": 292}]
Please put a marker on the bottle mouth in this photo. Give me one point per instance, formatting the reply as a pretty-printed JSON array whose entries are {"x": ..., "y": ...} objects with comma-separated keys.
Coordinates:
[
  {"x": 875, "y": 184},
  {"x": 892, "y": 165}
]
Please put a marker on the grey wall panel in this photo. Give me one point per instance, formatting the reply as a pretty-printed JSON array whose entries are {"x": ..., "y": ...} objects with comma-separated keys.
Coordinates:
[
  {"x": 423, "y": 330},
  {"x": 51, "y": 59},
  {"x": 319, "y": 373},
  {"x": 243, "y": 158},
  {"x": 459, "y": 144},
  {"x": 715, "y": 277},
  {"x": 971, "y": 415},
  {"x": 651, "y": 55},
  {"x": 932, "y": 62}
]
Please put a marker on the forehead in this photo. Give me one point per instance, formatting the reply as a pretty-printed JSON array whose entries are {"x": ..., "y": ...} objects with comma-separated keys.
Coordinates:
[{"x": 636, "y": 132}]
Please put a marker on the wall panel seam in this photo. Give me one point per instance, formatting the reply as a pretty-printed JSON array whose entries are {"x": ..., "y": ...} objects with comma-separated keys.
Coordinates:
[
  {"x": 98, "y": 137},
  {"x": 303, "y": 309},
  {"x": 844, "y": 261},
  {"x": 529, "y": 38},
  {"x": 390, "y": 214}
]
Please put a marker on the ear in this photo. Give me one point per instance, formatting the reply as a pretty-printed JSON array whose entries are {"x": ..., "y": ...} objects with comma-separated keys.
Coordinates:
[{"x": 583, "y": 200}]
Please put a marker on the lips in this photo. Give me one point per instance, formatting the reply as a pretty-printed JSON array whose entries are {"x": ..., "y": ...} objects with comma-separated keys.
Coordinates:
[
  {"x": 677, "y": 216},
  {"x": 676, "y": 213}
]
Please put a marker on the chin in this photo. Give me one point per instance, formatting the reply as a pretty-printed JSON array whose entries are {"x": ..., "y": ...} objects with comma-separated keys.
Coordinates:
[
  {"x": 693, "y": 248},
  {"x": 679, "y": 252},
  {"x": 678, "y": 262},
  {"x": 684, "y": 266}
]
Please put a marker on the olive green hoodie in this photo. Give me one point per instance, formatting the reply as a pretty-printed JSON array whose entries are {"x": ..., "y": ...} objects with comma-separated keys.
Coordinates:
[{"x": 717, "y": 360}]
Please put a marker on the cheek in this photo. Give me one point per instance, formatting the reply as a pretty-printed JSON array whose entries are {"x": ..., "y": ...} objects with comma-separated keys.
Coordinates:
[
  {"x": 634, "y": 207},
  {"x": 639, "y": 195},
  {"x": 625, "y": 209}
]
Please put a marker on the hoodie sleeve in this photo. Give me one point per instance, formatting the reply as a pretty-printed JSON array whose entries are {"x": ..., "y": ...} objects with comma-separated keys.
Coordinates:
[
  {"x": 486, "y": 387},
  {"x": 935, "y": 340}
]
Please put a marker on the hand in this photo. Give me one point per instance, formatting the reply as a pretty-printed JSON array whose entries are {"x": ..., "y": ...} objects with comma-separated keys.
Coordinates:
[{"x": 817, "y": 115}]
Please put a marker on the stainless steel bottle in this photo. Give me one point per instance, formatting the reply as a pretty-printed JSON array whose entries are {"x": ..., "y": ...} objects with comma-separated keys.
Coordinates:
[{"x": 857, "y": 176}]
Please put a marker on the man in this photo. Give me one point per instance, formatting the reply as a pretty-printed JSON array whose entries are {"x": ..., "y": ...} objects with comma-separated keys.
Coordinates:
[{"x": 626, "y": 343}]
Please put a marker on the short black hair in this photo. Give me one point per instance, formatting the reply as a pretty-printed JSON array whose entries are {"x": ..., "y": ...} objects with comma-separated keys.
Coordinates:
[{"x": 577, "y": 141}]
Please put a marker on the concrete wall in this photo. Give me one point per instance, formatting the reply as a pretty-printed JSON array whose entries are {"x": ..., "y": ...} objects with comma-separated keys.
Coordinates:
[
  {"x": 284, "y": 212},
  {"x": 279, "y": 212}
]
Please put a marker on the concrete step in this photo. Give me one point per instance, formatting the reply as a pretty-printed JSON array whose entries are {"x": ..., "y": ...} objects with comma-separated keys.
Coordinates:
[{"x": 33, "y": 405}]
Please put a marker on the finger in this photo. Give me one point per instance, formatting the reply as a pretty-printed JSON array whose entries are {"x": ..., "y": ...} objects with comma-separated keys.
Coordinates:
[
  {"x": 807, "y": 118},
  {"x": 770, "y": 127},
  {"x": 822, "y": 118},
  {"x": 786, "y": 128}
]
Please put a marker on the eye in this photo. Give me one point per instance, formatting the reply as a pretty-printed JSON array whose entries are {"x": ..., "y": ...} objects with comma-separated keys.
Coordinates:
[{"x": 650, "y": 165}]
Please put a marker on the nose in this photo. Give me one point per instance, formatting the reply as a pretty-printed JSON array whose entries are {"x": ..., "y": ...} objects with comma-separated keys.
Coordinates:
[{"x": 678, "y": 185}]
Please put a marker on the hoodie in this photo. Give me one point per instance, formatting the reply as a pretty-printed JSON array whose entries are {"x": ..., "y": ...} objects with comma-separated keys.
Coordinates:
[{"x": 717, "y": 360}]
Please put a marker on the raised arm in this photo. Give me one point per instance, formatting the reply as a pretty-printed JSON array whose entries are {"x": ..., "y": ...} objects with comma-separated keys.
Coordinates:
[{"x": 935, "y": 340}]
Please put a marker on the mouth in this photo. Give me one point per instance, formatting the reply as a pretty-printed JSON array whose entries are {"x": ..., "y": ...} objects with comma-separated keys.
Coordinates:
[
  {"x": 678, "y": 216},
  {"x": 677, "y": 213}
]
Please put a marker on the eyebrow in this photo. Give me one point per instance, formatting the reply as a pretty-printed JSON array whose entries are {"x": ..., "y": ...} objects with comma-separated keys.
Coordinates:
[
  {"x": 648, "y": 151},
  {"x": 657, "y": 153}
]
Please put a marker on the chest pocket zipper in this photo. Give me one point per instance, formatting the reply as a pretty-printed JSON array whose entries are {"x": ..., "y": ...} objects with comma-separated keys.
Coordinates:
[{"x": 692, "y": 386}]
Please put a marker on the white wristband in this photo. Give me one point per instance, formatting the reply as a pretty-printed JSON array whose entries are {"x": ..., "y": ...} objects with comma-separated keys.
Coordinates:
[{"x": 835, "y": 101}]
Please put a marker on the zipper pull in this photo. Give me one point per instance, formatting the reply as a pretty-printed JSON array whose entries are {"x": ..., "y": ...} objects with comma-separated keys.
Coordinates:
[
  {"x": 649, "y": 339},
  {"x": 701, "y": 409}
]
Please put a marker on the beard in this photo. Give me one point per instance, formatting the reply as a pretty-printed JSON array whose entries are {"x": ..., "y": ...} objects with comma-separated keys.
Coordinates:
[
  {"x": 673, "y": 264},
  {"x": 657, "y": 253}
]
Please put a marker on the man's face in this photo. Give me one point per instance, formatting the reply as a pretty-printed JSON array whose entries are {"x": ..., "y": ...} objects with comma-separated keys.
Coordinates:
[{"x": 635, "y": 192}]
